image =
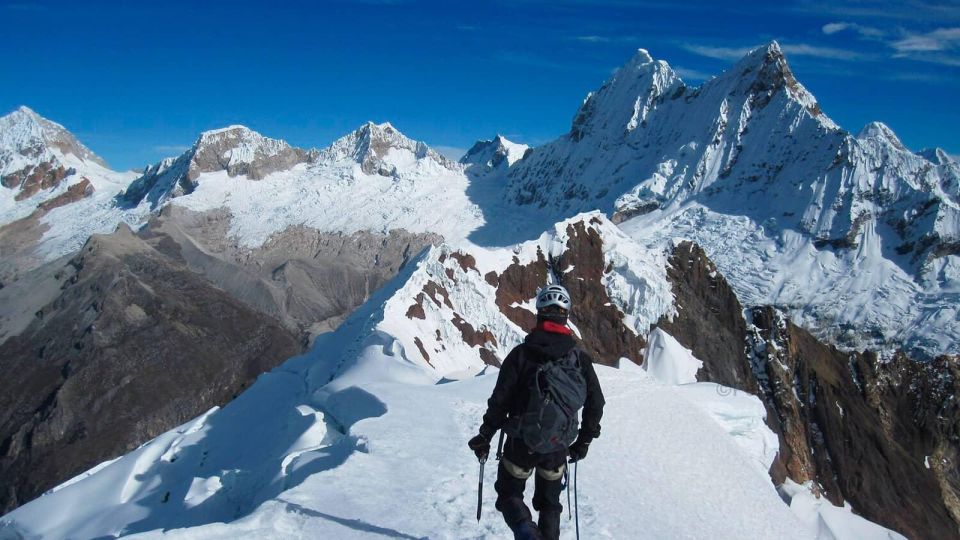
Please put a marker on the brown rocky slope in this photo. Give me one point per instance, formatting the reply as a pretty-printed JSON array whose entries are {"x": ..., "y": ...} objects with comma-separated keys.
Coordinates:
[{"x": 134, "y": 344}]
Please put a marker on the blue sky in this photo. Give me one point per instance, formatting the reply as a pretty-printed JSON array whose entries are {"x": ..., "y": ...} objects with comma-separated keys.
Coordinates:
[{"x": 139, "y": 81}]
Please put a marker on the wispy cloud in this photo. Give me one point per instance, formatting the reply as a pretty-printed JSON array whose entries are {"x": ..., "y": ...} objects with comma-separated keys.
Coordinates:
[
  {"x": 940, "y": 46},
  {"x": 804, "y": 49},
  {"x": 912, "y": 76},
  {"x": 867, "y": 32},
  {"x": 170, "y": 148},
  {"x": 691, "y": 74},
  {"x": 792, "y": 49},
  {"x": 879, "y": 10},
  {"x": 719, "y": 53},
  {"x": 940, "y": 39},
  {"x": 593, "y": 39}
]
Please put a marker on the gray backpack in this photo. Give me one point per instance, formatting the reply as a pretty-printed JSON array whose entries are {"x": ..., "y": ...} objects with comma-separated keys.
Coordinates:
[{"x": 557, "y": 392}]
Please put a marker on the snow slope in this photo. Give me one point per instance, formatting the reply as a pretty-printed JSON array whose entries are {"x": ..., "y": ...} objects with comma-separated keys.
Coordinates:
[{"x": 391, "y": 455}]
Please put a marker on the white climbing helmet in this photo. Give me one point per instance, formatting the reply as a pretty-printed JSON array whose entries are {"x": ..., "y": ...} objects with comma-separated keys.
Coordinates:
[{"x": 553, "y": 295}]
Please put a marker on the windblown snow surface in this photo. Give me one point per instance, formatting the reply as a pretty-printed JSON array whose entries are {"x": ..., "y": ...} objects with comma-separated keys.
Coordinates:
[{"x": 361, "y": 439}]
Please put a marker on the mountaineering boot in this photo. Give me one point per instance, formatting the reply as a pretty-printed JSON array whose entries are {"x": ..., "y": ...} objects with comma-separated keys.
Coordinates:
[
  {"x": 526, "y": 530},
  {"x": 549, "y": 525}
]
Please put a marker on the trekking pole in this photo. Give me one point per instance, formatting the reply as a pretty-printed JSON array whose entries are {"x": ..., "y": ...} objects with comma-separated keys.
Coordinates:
[
  {"x": 566, "y": 487},
  {"x": 576, "y": 505},
  {"x": 483, "y": 460}
]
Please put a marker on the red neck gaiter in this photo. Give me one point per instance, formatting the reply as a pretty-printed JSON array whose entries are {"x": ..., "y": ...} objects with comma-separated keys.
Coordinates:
[{"x": 550, "y": 326}]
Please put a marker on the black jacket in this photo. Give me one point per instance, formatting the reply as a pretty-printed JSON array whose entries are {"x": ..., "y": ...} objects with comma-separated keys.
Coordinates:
[{"x": 512, "y": 392}]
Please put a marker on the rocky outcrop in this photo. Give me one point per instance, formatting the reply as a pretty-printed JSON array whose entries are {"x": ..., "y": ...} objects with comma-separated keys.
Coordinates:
[
  {"x": 74, "y": 193},
  {"x": 580, "y": 268},
  {"x": 134, "y": 344},
  {"x": 709, "y": 318},
  {"x": 33, "y": 178},
  {"x": 243, "y": 152},
  {"x": 882, "y": 435}
]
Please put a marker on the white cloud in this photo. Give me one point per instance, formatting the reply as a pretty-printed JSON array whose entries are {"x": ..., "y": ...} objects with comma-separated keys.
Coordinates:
[
  {"x": 720, "y": 53},
  {"x": 940, "y": 39},
  {"x": 593, "y": 39},
  {"x": 833, "y": 28},
  {"x": 797, "y": 49},
  {"x": 803, "y": 49},
  {"x": 867, "y": 32}
]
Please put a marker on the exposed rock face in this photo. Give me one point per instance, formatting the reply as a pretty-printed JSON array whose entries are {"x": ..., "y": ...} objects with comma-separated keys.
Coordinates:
[
  {"x": 134, "y": 343},
  {"x": 241, "y": 151},
  {"x": 709, "y": 320},
  {"x": 18, "y": 241},
  {"x": 74, "y": 193},
  {"x": 580, "y": 268},
  {"x": 862, "y": 428},
  {"x": 858, "y": 428},
  {"x": 33, "y": 178}
]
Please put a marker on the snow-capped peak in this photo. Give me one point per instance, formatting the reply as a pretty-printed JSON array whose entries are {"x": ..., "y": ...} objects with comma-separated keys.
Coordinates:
[
  {"x": 763, "y": 72},
  {"x": 240, "y": 150},
  {"x": 769, "y": 54},
  {"x": 28, "y": 139},
  {"x": 641, "y": 57},
  {"x": 237, "y": 150},
  {"x": 382, "y": 149},
  {"x": 497, "y": 153},
  {"x": 881, "y": 132},
  {"x": 626, "y": 99}
]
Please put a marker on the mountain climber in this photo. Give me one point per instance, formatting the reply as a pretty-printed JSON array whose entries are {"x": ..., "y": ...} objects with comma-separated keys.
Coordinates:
[{"x": 529, "y": 371}]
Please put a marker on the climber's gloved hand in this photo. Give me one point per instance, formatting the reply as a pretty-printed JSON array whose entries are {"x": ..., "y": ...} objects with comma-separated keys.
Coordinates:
[
  {"x": 480, "y": 445},
  {"x": 578, "y": 450}
]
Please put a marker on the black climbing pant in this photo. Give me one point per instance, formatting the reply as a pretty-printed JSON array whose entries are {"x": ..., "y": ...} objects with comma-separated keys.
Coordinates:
[{"x": 517, "y": 465}]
